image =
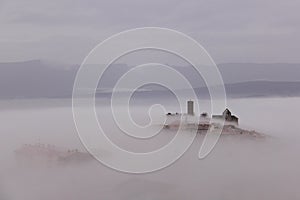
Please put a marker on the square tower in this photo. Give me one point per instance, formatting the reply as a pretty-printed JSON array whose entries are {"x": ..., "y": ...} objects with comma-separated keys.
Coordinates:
[{"x": 190, "y": 107}]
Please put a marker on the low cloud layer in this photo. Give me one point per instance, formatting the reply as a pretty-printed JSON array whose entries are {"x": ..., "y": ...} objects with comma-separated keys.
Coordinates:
[{"x": 238, "y": 168}]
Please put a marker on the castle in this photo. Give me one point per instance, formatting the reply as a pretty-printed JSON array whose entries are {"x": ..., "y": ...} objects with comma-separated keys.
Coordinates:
[
  {"x": 228, "y": 117},
  {"x": 203, "y": 121}
]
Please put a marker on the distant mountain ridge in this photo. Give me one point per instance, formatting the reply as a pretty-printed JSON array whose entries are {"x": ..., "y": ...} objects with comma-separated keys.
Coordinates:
[
  {"x": 37, "y": 79},
  {"x": 235, "y": 90},
  {"x": 262, "y": 88}
]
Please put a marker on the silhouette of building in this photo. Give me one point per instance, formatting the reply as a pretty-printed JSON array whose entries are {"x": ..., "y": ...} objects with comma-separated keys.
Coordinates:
[
  {"x": 190, "y": 107},
  {"x": 202, "y": 122},
  {"x": 228, "y": 117}
]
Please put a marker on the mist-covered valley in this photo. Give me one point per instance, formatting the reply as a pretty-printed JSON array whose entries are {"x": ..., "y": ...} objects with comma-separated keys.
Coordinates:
[
  {"x": 238, "y": 60},
  {"x": 239, "y": 167}
]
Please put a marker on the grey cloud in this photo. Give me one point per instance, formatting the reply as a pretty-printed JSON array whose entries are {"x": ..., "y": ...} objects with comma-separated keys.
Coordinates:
[{"x": 232, "y": 31}]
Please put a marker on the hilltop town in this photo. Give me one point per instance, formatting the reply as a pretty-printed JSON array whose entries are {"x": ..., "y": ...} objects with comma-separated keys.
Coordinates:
[
  {"x": 49, "y": 155},
  {"x": 226, "y": 121}
]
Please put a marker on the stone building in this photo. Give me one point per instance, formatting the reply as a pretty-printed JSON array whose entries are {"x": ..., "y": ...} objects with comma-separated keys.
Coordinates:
[{"x": 228, "y": 117}]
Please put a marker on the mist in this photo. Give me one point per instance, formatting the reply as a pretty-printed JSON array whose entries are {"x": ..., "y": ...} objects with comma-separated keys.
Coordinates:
[{"x": 239, "y": 167}]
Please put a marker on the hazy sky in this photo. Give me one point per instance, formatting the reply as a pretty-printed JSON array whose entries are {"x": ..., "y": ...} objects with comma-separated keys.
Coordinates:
[{"x": 231, "y": 30}]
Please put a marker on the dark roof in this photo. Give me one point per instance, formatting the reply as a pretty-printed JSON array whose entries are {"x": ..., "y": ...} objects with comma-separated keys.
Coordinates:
[
  {"x": 227, "y": 111},
  {"x": 235, "y": 117}
]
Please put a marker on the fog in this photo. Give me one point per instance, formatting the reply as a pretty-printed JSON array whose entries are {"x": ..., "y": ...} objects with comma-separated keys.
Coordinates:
[{"x": 239, "y": 167}]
